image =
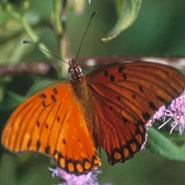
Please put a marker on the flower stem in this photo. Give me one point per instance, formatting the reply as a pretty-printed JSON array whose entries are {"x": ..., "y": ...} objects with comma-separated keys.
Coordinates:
[
  {"x": 59, "y": 17},
  {"x": 33, "y": 36}
]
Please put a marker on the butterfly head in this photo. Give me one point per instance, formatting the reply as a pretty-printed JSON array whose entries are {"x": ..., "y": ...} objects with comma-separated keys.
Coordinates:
[{"x": 75, "y": 71}]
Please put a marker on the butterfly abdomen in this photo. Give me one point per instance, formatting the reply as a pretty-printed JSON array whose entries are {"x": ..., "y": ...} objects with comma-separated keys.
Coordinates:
[{"x": 85, "y": 98}]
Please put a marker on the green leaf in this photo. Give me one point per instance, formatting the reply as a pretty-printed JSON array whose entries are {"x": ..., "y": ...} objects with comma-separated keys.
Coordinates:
[
  {"x": 37, "y": 174},
  {"x": 8, "y": 51},
  {"x": 129, "y": 13},
  {"x": 11, "y": 101},
  {"x": 8, "y": 168},
  {"x": 161, "y": 145},
  {"x": 38, "y": 85}
]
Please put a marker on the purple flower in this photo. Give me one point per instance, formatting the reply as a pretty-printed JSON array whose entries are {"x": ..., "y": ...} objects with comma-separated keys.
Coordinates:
[
  {"x": 174, "y": 113},
  {"x": 90, "y": 178}
]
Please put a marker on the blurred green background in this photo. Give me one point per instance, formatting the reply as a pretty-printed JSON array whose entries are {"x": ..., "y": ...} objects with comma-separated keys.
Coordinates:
[{"x": 158, "y": 30}]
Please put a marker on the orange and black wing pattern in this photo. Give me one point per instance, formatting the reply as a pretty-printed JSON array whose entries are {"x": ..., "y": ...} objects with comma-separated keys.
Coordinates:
[
  {"x": 52, "y": 122},
  {"x": 125, "y": 97}
]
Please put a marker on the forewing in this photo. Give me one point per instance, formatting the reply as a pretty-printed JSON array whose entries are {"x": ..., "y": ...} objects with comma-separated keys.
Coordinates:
[
  {"x": 52, "y": 122},
  {"x": 125, "y": 97}
]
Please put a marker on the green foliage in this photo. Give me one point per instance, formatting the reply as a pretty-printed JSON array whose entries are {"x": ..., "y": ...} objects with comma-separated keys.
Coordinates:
[
  {"x": 162, "y": 145},
  {"x": 128, "y": 14}
]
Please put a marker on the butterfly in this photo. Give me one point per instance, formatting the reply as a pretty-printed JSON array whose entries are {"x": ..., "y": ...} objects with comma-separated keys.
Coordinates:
[{"x": 107, "y": 108}]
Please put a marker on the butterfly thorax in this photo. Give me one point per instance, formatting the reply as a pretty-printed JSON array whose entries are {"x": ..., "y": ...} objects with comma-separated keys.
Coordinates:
[
  {"x": 75, "y": 71},
  {"x": 79, "y": 82}
]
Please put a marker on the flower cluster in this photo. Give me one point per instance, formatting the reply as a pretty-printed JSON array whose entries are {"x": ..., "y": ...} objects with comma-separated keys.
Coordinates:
[
  {"x": 90, "y": 178},
  {"x": 174, "y": 113}
]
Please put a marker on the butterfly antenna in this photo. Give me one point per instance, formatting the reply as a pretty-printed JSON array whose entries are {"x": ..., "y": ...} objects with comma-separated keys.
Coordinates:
[
  {"x": 93, "y": 14},
  {"x": 57, "y": 57}
]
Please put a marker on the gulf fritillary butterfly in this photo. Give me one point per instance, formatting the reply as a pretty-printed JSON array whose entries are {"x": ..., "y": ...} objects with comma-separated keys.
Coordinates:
[{"x": 109, "y": 108}]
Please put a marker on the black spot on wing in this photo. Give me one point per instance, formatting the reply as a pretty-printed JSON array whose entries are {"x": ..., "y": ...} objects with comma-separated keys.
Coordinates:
[
  {"x": 43, "y": 96},
  {"x": 38, "y": 123},
  {"x": 161, "y": 99},
  {"x": 152, "y": 106},
  {"x": 120, "y": 69},
  {"x": 55, "y": 91},
  {"x": 38, "y": 144},
  {"x": 44, "y": 104},
  {"x": 141, "y": 88},
  {"x": 124, "y": 120},
  {"x": 124, "y": 76},
  {"x": 47, "y": 149},
  {"x": 134, "y": 96},
  {"x": 53, "y": 98},
  {"x": 118, "y": 98},
  {"x": 106, "y": 74},
  {"x": 146, "y": 116},
  {"x": 64, "y": 141},
  {"x": 112, "y": 78},
  {"x": 58, "y": 118},
  {"x": 29, "y": 143}
]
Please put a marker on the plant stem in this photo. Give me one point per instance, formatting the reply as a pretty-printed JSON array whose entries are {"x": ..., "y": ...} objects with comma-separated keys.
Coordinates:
[
  {"x": 60, "y": 28},
  {"x": 33, "y": 36},
  {"x": 59, "y": 14}
]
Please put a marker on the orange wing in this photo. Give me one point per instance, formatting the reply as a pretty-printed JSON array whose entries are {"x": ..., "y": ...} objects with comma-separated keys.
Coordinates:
[
  {"x": 53, "y": 122},
  {"x": 125, "y": 97}
]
